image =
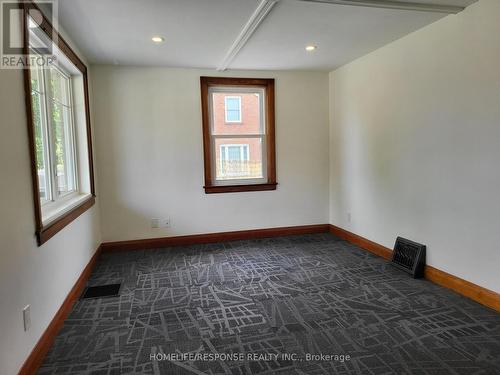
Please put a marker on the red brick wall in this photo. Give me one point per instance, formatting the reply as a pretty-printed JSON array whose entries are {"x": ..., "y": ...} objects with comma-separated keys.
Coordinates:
[{"x": 250, "y": 123}]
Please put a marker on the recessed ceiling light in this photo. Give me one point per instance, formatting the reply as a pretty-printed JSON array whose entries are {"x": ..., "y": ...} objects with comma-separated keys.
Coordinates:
[
  {"x": 310, "y": 48},
  {"x": 157, "y": 39}
]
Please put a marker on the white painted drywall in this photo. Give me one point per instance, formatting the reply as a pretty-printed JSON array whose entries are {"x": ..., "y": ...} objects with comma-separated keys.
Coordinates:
[
  {"x": 150, "y": 155},
  {"x": 39, "y": 276},
  {"x": 415, "y": 143}
]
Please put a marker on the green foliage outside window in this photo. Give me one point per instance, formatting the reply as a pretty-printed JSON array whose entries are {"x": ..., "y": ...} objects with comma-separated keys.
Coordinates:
[{"x": 57, "y": 125}]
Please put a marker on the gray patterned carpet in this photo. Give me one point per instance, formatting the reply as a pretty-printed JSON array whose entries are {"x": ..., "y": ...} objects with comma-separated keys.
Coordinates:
[{"x": 271, "y": 304}]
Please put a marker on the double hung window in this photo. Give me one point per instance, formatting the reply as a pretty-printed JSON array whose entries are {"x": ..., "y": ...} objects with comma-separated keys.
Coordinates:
[{"x": 241, "y": 156}]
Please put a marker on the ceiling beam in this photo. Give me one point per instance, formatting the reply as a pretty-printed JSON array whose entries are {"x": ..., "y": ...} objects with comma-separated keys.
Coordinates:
[
  {"x": 246, "y": 32},
  {"x": 395, "y": 4}
]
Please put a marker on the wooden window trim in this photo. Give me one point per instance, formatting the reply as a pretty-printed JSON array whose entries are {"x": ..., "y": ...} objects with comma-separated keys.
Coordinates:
[
  {"x": 268, "y": 86},
  {"x": 45, "y": 232}
]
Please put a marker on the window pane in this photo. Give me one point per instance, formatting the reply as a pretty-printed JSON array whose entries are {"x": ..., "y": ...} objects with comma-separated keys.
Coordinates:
[
  {"x": 58, "y": 86},
  {"x": 63, "y": 148},
  {"x": 233, "y": 116},
  {"x": 232, "y": 104},
  {"x": 226, "y": 108},
  {"x": 36, "y": 80},
  {"x": 40, "y": 148},
  {"x": 238, "y": 158}
]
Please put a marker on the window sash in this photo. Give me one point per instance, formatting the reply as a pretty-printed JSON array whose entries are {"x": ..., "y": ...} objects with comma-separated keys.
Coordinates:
[
  {"x": 69, "y": 141},
  {"x": 243, "y": 180},
  {"x": 238, "y": 90},
  {"x": 53, "y": 196}
]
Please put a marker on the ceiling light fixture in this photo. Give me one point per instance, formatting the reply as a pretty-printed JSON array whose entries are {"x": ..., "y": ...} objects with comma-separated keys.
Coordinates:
[
  {"x": 311, "y": 48},
  {"x": 157, "y": 39}
]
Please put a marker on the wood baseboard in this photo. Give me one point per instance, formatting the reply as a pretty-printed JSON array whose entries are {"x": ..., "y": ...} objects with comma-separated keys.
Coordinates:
[
  {"x": 213, "y": 237},
  {"x": 466, "y": 288},
  {"x": 362, "y": 242},
  {"x": 475, "y": 292},
  {"x": 37, "y": 355}
]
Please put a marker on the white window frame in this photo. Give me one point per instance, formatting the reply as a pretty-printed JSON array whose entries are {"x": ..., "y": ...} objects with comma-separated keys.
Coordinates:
[
  {"x": 262, "y": 135},
  {"x": 57, "y": 204},
  {"x": 239, "y": 121}
]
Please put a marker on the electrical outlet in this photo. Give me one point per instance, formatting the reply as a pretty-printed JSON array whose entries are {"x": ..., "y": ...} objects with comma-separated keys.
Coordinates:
[
  {"x": 27, "y": 317},
  {"x": 166, "y": 223},
  {"x": 348, "y": 217},
  {"x": 160, "y": 223},
  {"x": 155, "y": 223}
]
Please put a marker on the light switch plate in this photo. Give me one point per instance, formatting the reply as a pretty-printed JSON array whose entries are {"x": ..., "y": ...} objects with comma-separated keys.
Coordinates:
[{"x": 155, "y": 223}]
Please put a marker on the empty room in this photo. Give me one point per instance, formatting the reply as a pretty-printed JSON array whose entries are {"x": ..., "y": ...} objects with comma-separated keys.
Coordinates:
[{"x": 246, "y": 187}]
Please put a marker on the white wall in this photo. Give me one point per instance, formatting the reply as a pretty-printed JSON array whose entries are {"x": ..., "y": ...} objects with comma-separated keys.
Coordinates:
[
  {"x": 415, "y": 143},
  {"x": 39, "y": 276},
  {"x": 150, "y": 156}
]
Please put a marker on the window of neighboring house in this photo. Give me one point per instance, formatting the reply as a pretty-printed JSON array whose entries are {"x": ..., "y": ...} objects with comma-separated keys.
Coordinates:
[
  {"x": 238, "y": 158},
  {"x": 234, "y": 160},
  {"x": 233, "y": 108},
  {"x": 59, "y": 129}
]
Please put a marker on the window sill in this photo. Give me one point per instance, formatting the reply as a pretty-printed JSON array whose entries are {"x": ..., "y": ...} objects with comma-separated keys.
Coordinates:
[
  {"x": 63, "y": 216},
  {"x": 52, "y": 211},
  {"x": 239, "y": 188}
]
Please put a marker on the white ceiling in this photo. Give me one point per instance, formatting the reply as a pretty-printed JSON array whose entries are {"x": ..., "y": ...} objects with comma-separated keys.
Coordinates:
[{"x": 199, "y": 33}]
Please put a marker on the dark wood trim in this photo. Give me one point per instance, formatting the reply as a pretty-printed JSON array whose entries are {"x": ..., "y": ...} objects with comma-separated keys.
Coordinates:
[
  {"x": 49, "y": 231},
  {"x": 236, "y": 81},
  {"x": 238, "y": 188},
  {"x": 271, "y": 133},
  {"x": 89, "y": 132},
  {"x": 475, "y": 292},
  {"x": 37, "y": 355},
  {"x": 152, "y": 243},
  {"x": 268, "y": 85},
  {"x": 205, "y": 117},
  {"x": 44, "y": 233},
  {"x": 31, "y": 132}
]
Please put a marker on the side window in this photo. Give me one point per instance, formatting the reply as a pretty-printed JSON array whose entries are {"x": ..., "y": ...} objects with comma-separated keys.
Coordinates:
[{"x": 58, "y": 127}]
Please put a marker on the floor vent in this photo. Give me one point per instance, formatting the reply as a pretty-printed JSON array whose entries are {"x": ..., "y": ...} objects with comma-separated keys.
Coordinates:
[
  {"x": 110, "y": 290},
  {"x": 409, "y": 256}
]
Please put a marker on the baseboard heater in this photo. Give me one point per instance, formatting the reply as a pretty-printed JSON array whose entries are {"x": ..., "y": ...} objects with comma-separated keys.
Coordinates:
[{"x": 409, "y": 256}]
